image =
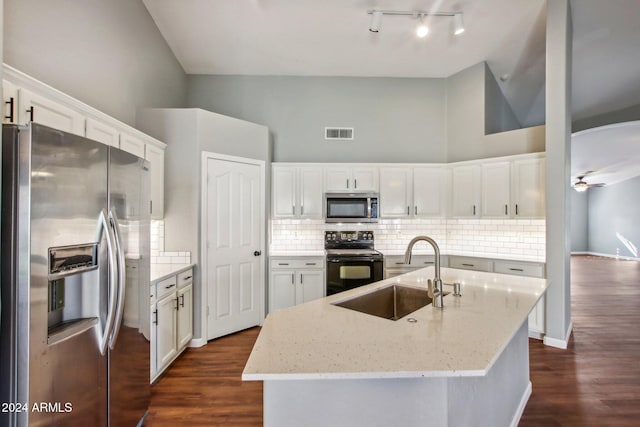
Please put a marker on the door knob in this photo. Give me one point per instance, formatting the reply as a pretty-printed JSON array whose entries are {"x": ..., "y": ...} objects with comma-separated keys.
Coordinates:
[{"x": 257, "y": 253}]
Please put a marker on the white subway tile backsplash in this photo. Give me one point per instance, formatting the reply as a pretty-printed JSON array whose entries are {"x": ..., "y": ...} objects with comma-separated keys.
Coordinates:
[{"x": 158, "y": 255}]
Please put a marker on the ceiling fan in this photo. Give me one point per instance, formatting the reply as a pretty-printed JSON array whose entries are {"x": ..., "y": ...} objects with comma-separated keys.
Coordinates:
[{"x": 581, "y": 185}]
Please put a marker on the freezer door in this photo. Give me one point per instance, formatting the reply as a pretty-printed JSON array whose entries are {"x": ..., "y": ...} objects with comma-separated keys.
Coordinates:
[
  {"x": 129, "y": 389},
  {"x": 62, "y": 188}
]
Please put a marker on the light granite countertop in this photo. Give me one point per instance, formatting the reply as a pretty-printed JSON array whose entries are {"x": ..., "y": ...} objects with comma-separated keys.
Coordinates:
[
  {"x": 318, "y": 340},
  {"x": 162, "y": 271}
]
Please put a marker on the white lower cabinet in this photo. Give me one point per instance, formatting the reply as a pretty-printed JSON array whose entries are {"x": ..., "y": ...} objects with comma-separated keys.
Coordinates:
[
  {"x": 517, "y": 268},
  {"x": 171, "y": 319},
  {"x": 295, "y": 281}
]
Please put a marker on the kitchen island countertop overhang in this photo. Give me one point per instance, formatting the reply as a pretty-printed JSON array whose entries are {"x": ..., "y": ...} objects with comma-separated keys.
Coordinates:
[{"x": 319, "y": 340}]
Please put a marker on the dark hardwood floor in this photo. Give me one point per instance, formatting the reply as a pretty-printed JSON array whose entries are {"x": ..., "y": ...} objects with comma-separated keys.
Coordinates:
[{"x": 595, "y": 382}]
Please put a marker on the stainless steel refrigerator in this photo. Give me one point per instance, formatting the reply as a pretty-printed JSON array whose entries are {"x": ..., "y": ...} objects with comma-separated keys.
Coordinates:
[{"x": 74, "y": 328}]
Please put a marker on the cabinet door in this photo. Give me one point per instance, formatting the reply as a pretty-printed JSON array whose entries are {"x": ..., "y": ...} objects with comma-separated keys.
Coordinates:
[
  {"x": 10, "y": 102},
  {"x": 282, "y": 289},
  {"x": 167, "y": 333},
  {"x": 536, "y": 319},
  {"x": 465, "y": 191},
  {"x": 284, "y": 192},
  {"x": 132, "y": 144},
  {"x": 311, "y": 286},
  {"x": 529, "y": 188},
  {"x": 429, "y": 191},
  {"x": 37, "y": 108},
  {"x": 496, "y": 189},
  {"x": 155, "y": 156},
  {"x": 154, "y": 340},
  {"x": 185, "y": 315},
  {"x": 338, "y": 179},
  {"x": 365, "y": 179},
  {"x": 395, "y": 192},
  {"x": 310, "y": 192},
  {"x": 102, "y": 132}
]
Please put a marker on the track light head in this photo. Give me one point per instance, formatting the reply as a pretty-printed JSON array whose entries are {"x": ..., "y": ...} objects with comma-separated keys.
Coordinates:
[
  {"x": 422, "y": 30},
  {"x": 376, "y": 20},
  {"x": 458, "y": 25}
]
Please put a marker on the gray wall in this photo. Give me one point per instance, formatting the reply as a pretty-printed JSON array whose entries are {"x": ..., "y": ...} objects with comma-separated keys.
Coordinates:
[
  {"x": 614, "y": 209},
  {"x": 579, "y": 221},
  {"x": 108, "y": 54},
  {"x": 498, "y": 115},
  {"x": 624, "y": 115},
  {"x": 395, "y": 119}
]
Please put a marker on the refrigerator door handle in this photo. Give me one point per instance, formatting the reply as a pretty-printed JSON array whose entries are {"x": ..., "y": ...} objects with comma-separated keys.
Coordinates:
[
  {"x": 121, "y": 279},
  {"x": 104, "y": 336}
]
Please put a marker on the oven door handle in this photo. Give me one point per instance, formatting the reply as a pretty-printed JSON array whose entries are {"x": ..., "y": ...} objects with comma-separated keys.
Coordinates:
[{"x": 353, "y": 259}]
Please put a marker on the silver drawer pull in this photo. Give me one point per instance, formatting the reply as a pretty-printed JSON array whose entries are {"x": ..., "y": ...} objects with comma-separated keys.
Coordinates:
[
  {"x": 516, "y": 269},
  {"x": 400, "y": 263},
  {"x": 170, "y": 286},
  {"x": 428, "y": 262},
  {"x": 310, "y": 263},
  {"x": 187, "y": 278},
  {"x": 283, "y": 263},
  {"x": 468, "y": 265}
]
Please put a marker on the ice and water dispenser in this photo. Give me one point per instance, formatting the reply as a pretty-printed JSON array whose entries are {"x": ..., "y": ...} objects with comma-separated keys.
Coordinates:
[{"x": 73, "y": 291}]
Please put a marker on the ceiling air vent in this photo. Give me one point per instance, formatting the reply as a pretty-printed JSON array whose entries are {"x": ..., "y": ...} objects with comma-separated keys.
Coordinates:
[{"x": 338, "y": 133}]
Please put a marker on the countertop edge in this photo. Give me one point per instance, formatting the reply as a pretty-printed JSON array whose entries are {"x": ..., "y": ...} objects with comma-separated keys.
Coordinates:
[{"x": 179, "y": 268}]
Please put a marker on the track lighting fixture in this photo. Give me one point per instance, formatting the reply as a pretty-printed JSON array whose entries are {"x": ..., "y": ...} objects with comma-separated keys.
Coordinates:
[
  {"x": 422, "y": 30},
  {"x": 376, "y": 20}
]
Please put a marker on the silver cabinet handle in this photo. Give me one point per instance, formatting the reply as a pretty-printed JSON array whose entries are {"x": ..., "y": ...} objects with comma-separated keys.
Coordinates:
[
  {"x": 310, "y": 263},
  {"x": 516, "y": 269},
  {"x": 301, "y": 210},
  {"x": 474, "y": 209},
  {"x": 170, "y": 286},
  {"x": 416, "y": 209},
  {"x": 293, "y": 278},
  {"x": 176, "y": 308},
  {"x": 505, "y": 210},
  {"x": 293, "y": 209},
  {"x": 408, "y": 209},
  {"x": 301, "y": 282},
  {"x": 182, "y": 302},
  {"x": 467, "y": 265},
  {"x": 355, "y": 183},
  {"x": 347, "y": 182},
  {"x": 283, "y": 263},
  {"x": 155, "y": 321},
  {"x": 187, "y": 278},
  {"x": 516, "y": 209}
]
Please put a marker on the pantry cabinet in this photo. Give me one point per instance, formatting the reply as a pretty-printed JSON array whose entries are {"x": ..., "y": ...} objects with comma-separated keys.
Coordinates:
[
  {"x": 295, "y": 280},
  {"x": 297, "y": 192}
]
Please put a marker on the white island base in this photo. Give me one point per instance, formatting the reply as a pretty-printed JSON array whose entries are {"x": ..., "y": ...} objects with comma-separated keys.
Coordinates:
[{"x": 493, "y": 400}]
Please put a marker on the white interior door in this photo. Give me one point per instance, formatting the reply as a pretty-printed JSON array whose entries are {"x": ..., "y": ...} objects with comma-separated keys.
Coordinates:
[{"x": 235, "y": 270}]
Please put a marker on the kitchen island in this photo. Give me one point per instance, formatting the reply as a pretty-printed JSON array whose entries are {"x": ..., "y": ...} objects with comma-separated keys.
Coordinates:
[{"x": 466, "y": 364}]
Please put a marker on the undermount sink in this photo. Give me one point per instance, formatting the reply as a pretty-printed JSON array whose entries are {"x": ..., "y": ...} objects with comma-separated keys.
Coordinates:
[{"x": 391, "y": 302}]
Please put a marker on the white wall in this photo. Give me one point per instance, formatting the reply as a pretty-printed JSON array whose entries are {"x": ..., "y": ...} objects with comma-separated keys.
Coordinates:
[{"x": 108, "y": 54}]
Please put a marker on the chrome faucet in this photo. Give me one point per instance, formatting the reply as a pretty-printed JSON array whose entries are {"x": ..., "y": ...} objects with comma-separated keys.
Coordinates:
[{"x": 436, "y": 294}]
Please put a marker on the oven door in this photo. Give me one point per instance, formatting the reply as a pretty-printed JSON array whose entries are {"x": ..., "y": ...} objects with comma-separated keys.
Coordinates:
[{"x": 344, "y": 273}]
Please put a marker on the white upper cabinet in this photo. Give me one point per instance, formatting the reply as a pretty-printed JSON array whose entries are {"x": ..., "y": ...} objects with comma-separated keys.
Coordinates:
[
  {"x": 132, "y": 144},
  {"x": 496, "y": 190},
  {"x": 101, "y": 132},
  {"x": 395, "y": 192},
  {"x": 528, "y": 181},
  {"x": 351, "y": 178},
  {"x": 465, "y": 191},
  {"x": 10, "y": 102},
  {"x": 155, "y": 155},
  {"x": 430, "y": 191},
  {"x": 33, "y": 107},
  {"x": 297, "y": 191}
]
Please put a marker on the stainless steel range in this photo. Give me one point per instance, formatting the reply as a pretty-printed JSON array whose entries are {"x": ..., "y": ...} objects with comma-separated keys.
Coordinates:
[{"x": 352, "y": 260}]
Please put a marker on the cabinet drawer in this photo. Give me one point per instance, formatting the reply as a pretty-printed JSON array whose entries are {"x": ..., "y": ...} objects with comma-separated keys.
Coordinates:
[
  {"x": 519, "y": 268},
  {"x": 166, "y": 286},
  {"x": 477, "y": 264},
  {"x": 297, "y": 263},
  {"x": 152, "y": 293},
  {"x": 417, "y": 261},
  {"x": 185, "y": 278}
]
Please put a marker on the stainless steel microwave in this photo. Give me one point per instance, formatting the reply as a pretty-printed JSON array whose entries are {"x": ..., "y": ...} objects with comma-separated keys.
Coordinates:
[{"x": 351, "y": 207}]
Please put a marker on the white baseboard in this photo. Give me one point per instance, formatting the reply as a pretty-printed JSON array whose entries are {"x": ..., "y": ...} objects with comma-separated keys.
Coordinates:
[
  {"x": 521, "y": 406},
  {"x": 625, "y": 258},
  {"x": 559, "y": 343},
  {"x": 197, "y": 342}
]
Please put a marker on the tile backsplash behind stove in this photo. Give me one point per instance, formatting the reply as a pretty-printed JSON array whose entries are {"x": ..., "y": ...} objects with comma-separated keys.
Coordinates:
[
  {"x": 508, "y": 238},
  {"x": 158, "y": 254}
]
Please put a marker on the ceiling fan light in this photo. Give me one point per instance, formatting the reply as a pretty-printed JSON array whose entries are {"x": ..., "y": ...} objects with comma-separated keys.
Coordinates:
[
  {"x": 458, "y": 25},
  {"x": 376, "y": 20},
  {"x": 580, "y": 186}
]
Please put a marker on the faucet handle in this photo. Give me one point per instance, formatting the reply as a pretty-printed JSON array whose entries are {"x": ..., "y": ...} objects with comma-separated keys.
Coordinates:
[{"x": 430, "y": 288}]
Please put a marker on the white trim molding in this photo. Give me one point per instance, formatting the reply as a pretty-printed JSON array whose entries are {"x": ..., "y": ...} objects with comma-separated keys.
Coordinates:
[
  {"x": 521, "y": 406},
  {"x": 559, "y": 343}
]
